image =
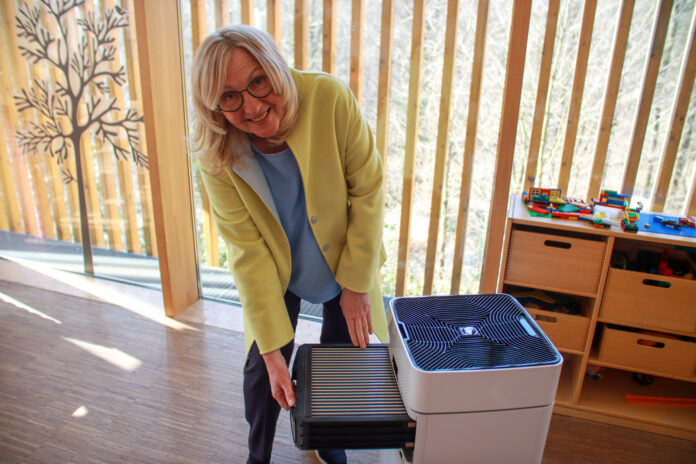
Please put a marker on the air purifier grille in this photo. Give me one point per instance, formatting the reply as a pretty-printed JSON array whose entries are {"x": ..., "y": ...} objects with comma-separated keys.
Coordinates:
[{"x": 465, "y": 332}]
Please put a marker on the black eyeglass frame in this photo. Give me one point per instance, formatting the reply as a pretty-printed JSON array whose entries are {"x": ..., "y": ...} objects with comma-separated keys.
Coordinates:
[{"x": 241, "y": 95}]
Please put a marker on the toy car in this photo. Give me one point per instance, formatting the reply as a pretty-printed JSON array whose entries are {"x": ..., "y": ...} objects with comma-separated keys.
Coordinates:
[
  {"x": 628, "y": 226},
  {"x": 628, "y": 223},
  {"x": 671, "y": 223}
]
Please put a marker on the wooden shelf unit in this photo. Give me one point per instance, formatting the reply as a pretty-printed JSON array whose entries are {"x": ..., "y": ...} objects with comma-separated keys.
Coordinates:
[{"x": 629, "y": 322}]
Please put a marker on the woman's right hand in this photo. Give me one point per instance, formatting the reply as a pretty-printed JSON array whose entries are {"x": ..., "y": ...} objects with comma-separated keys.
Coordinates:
[{"x": 282, "y": 387}]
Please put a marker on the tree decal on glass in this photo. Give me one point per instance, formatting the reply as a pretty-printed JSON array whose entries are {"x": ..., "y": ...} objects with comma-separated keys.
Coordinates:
[{"x": 78, "y": 101}]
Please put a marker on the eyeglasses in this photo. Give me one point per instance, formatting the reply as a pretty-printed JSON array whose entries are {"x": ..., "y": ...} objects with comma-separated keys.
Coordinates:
[{"x": 231, "y": 101}]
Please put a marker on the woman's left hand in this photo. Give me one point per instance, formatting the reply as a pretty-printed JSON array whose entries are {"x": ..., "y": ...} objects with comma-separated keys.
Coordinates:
[{"x": 356, "y": 310}]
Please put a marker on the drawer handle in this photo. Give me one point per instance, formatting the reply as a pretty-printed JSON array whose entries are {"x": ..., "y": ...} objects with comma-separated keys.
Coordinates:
[
  {"x": 404, "y": 332},
  {"x": 557, "y": 244},
  {"x": 541, "y": 317},
  {"x": 657, "y": 283},
  {"x": 650, "y": 343}
]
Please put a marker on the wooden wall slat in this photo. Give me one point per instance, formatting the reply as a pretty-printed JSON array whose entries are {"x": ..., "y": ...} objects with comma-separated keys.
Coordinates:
[
  {"x": 514, "y": 73},
  {"x": 96, "y": 221},
  {"x": 652, "y": 68},
  {"x": 8, "y": 142},
  {"x": 107, "y": 170},
  {"x": 58, "y": 205},
  {"x": 573, "y": 121},
  {"x": 107, "y": 184},
  {"x": 74, "y": 202},
  {"x": 42, "y": 186},
  {"x": 690, "y": 205},
  {"x": 130, "y": 214},
  {"x": 623, "y": 27},
  {"x": 58, "y": 190},
  {"x": 222, "y": 13},
  {"x": 328, "y": 49},
  {"x": 357, "y": 47},
  {"x": 302, "y": 34},
  {"x": 11, "y": 219},
  {"x": 9, "y": 216},
  {"x": 124, "y": 169},
  {"x": 68, "y": 226},
  {"x": 248, "y": 12},
  {"x": 210, "y": 232},
  {"x": 413, "y": 108},
  {"x": 541, "y": 95},
  {"x": 386, "y": 47},
  {"x": 4, "y": 186},
  {"x": 19, "y": 161},
  {"x": 73, "y": 194},
  {"x": 161, "y": 60},
  {"x": 53, "y": 176},
  {"x": 147, "y": 211},
  {"x": 38, "y": 175},
  {"x": 441, "y": 148},
  {"x": 198, "y": 24},
  {"x": 143, "y": 175},
  {"x": 273, "y": 23},
  {"x": 469, "y": 144},
  {"x": 679, "y": 110},
  {"x": 37, "y": 166}
]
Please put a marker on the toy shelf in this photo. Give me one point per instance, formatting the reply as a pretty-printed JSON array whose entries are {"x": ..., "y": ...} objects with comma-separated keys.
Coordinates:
[
  {"x": 564, "y": 392},
  {"x": 565, "y": 319},
  {"x": 550, "y": 288},
  {"x": 617, "y": 347},
  {"x": 607, "y": 398},
  {"x": 627, "y": 324},
  {"x": 640, "y": 325},
  {"x": 656, "y": 372}
]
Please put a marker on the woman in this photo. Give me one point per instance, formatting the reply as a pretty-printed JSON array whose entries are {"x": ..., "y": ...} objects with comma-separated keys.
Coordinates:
[{"x": 295, "y": 184}]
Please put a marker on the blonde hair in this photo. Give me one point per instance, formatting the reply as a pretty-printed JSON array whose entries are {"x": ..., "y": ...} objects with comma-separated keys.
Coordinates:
[{"x": 218, "y": 142}]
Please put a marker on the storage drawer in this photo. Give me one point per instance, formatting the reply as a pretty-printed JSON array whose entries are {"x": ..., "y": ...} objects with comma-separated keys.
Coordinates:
[
  {"x": 663, "y": 303},
  {"x": 653, "y": 353},
  {"x": 555, "y": 261},
  {"x": 566, "y": 331}
]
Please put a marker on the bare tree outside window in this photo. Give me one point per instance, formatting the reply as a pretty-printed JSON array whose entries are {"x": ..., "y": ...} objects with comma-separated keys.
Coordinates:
[{"x": 78, "y": 101}]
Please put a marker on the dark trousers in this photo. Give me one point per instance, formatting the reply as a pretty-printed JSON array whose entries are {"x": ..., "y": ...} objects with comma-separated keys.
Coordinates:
[{"x": 261, "y": 410}]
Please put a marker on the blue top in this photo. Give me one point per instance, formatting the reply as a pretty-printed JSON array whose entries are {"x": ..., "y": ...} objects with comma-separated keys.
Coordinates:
[{"x": 311, "y": 278}]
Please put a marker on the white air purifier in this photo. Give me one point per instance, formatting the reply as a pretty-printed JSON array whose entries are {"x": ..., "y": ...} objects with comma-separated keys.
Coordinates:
[{"x": 478, "y": 376}]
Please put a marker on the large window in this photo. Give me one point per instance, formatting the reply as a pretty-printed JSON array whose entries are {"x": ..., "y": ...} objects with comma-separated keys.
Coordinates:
[{"x": 75, "y": 181}]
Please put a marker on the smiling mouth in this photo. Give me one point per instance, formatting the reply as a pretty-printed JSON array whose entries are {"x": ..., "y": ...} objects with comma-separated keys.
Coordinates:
[{"x": 262, "y": 117}]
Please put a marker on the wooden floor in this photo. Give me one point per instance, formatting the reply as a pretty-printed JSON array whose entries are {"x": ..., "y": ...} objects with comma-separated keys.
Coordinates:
[{"x": 88, "y": 382}]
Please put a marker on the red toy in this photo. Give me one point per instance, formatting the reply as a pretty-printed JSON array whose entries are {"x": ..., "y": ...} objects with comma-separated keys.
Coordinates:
[{"x": 660, "y": 400}]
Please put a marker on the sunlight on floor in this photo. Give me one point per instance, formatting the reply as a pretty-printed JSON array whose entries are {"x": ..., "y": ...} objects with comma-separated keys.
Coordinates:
[
  {"x": 144, "y": 302},
  {"x": 82, "y": 411},
  {"x": 106, "y": 293},
  {"x": 111, "y": 355},
  {"x": 29, "y": 309}
]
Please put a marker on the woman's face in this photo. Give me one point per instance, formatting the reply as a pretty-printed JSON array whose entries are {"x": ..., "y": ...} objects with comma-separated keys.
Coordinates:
[{"x": 257, "y": 116}]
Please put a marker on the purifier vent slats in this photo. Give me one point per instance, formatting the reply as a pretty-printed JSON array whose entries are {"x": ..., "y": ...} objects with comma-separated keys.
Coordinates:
[
  {"x": 348, "y": 398},
  {"x": 350, "y": 381},
  {"x": 471, "y": 332}
]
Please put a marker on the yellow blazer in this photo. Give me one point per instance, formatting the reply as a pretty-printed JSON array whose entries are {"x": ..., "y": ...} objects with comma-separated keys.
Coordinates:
[{"x": 342, "y": 176}]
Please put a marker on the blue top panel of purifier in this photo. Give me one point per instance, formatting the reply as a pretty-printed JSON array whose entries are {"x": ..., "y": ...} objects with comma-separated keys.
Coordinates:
[{"x": 462, "y": 332}]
